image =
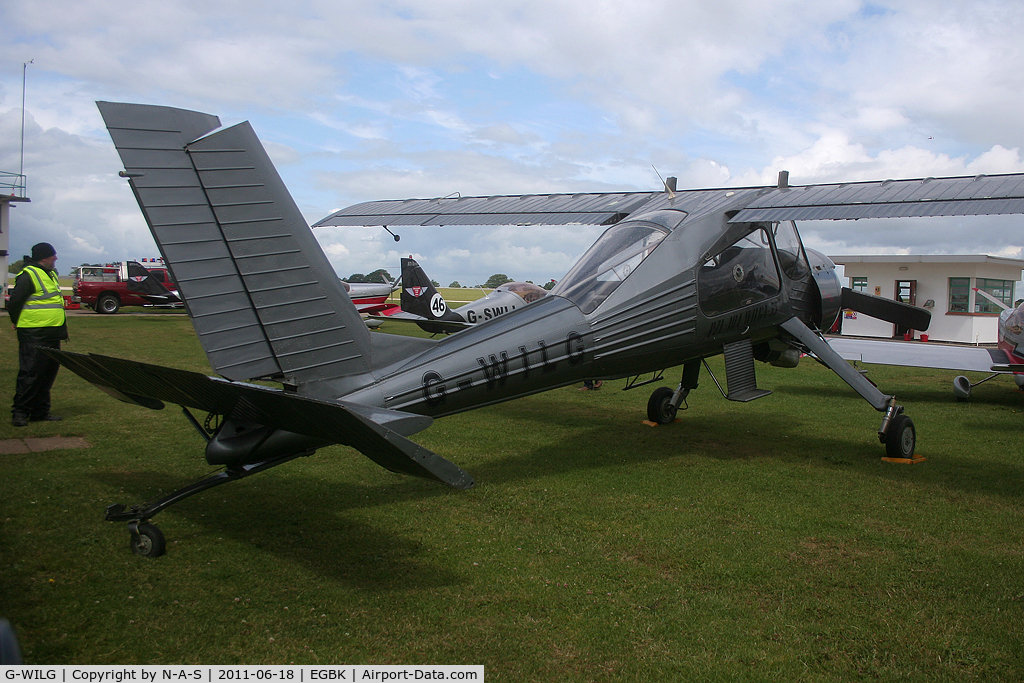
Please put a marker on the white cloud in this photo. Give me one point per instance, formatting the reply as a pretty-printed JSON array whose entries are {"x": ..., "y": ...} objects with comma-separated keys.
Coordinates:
[{"x": 369, "y": 100}]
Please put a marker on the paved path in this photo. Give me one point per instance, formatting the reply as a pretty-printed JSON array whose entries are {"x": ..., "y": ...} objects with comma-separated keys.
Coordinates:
[{"x": 40, "y": 444}]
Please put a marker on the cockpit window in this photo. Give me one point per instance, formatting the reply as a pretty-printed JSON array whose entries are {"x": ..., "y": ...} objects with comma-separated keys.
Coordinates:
[
  {"x": 742, "y": 274},
  {"x": 791, "y": 252},
  {"x": 527, "y": 291},
  {"x": 607, "y": 263}
]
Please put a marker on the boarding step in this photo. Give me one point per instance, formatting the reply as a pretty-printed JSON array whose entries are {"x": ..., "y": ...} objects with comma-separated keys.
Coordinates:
[{"x": 739, "y": 372}]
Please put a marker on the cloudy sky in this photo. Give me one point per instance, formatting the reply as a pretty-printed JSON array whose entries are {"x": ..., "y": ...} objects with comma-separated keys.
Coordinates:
[{"x": 359, "y": 100}]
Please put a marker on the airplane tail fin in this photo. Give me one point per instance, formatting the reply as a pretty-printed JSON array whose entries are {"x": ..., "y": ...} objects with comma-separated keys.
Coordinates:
[
  {"x": 262, "y": 296},
  {"x": 419, "y": 296},
  {"x": 141, "y": 281}
]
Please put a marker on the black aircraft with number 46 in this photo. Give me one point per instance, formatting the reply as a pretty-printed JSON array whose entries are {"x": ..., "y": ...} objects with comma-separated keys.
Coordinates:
[
  {"x": 677, "y": 277},
  {"x": 422, "y": 304}
]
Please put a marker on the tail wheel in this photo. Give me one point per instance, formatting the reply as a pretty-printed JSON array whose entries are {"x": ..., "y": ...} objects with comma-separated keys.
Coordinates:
[
  {"x": 147, "y": 540},
  {"x": 901, "y": 439},
  {"x": 659, "y": 407}
]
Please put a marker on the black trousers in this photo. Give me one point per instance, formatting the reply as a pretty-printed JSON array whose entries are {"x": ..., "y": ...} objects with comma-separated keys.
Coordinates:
[{"x": 36, "y": 373}]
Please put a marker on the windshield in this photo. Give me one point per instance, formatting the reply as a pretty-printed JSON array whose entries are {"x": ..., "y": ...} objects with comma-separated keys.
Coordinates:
[{"x": 607, "y": 263}]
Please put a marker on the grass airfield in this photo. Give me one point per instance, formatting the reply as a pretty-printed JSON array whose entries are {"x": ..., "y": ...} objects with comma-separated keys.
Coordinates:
[{"x": 748, "y": 542}]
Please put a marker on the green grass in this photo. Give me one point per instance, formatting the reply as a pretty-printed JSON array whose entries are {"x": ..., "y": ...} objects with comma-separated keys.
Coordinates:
[
  {"x": 764, "y": 541},
  {"x": 456, "y": 296}
]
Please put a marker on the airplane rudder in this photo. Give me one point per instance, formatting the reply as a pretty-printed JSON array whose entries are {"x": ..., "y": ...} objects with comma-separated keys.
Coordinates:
[{"x": 417, "y": 290}]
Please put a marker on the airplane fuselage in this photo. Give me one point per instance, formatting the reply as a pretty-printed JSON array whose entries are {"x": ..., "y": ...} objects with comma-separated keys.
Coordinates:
[
  {"x": 1011, "y": 333},
  {"x": 667, "y": 312}
]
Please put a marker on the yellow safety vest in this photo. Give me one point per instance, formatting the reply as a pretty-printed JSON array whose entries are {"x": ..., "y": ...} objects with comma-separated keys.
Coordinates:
[{"x": 45, "y": 308}]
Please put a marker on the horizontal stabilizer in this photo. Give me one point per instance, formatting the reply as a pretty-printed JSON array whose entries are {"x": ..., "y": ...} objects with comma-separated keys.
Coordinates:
[
  {"x": 896, "y": 312},
  {"x": 446, "y": 326},
  {"x": 377, "y": 433}
]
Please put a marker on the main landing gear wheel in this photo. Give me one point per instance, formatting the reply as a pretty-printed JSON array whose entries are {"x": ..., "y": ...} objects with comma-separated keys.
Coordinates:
[
  {"x": 659, "y": 407},
  {"x": 901, "y": 439},
  {"x": 147, "y": 540}
]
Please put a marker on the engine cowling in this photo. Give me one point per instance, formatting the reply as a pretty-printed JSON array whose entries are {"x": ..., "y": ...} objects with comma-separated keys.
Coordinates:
[{"x": 830, "y": 289}]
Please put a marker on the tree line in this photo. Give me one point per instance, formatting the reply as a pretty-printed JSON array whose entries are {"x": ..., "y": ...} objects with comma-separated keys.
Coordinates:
[{"x": 493, "y": 282}]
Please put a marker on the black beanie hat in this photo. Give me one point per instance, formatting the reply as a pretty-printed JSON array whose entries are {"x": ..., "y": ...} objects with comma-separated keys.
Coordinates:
[{"x": 43, "y": 250}]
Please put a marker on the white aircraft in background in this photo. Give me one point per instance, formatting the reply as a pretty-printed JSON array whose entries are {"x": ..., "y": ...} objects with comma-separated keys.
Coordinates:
[
  {"x": 1006, "y": 358},
  {"x": 370, "y": 297},
  {"x": 424, "y": 305}
]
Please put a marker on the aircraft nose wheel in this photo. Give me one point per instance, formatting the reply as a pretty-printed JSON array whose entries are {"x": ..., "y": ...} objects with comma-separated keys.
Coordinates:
[
  {"x": 146, "y": 539},
  {"x": 901, "y": 439},
  {"x": 659, "y": 407}
]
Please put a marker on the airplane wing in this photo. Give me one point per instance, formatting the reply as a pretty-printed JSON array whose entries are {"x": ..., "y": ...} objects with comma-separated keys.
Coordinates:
[
  {"x": 376, "y": 309},
  {"x": 548, "y": 209},
  {"x": 921, "y": 355},
  {"x": 378, "y": 433},
  {"x": 954, "y": 196}
]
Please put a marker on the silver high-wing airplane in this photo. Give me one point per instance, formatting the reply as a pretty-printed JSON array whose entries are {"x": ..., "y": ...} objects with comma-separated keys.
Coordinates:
[
  {"x": 422, "y": 304},
  {"x": 678, "y": 276},
  {"x": 1006, "y": 358},
  {"x": 370, "y": 297}
]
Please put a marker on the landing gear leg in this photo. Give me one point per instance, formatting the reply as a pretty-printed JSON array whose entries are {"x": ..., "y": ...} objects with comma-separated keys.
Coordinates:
[
  {"x": 899, "y": 435},
  {"x": 664, "y": 403},
  {"x": 897, "y": 431}
]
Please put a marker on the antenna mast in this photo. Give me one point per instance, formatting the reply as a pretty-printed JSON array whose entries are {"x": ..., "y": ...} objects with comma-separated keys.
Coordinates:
[{"x": 24, "y": 72}]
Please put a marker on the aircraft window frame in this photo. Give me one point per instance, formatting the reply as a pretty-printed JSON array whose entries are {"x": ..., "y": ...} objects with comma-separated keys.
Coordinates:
[
  {"x": 787, "y": 241},
  {"x": 609, "y": 262},
  {"x": 727, "y": 281}
]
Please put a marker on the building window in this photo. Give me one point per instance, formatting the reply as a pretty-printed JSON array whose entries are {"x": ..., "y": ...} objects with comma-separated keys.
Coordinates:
[
  {"x": 1000, "y": 289},
  {"x": 959, "y": 294},
  {"x": 859, "y": 284}
]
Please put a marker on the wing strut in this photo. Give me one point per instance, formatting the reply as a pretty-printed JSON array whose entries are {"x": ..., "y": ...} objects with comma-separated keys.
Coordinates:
[{"x": 868, "y": 391}]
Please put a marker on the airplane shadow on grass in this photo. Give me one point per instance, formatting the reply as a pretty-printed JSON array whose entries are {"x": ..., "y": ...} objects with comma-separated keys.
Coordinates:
[
  {"x": 984, "y": 409},
  {"x": 614, "y": 437},
  {"x": 301, "y": 519},
  {"x": 316, "y": 521}
]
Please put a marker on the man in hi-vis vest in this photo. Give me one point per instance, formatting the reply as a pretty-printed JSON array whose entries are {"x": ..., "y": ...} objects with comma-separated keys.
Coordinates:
[{"x": 37, "y": 311}]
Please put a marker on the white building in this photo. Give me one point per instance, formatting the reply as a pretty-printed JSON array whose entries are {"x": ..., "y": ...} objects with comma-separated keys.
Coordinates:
[
  {"x": 12, "y": 189},
  {"x": 943, "y": 284}
]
